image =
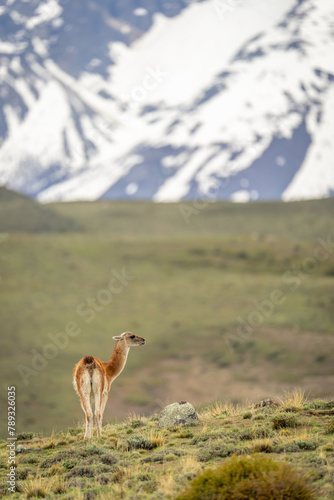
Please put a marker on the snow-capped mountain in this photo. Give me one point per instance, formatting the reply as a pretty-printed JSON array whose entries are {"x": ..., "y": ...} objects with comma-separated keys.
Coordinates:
[{"x": 219, "y": 99}]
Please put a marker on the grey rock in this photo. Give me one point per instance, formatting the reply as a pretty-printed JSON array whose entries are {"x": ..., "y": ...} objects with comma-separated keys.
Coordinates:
[
  {"x": 20, "y": 448},
  {"x": 181, "y": 413}
]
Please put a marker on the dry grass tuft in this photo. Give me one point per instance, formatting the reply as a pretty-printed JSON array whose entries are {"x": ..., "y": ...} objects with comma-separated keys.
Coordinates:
[
  {"x": 293, "y": 399},
  {"x": 287, "y": 436},
  {"x": 220, "y": 410},
  {"x": 115, "y": 491},
  {"x": 63, "y": 439},
  {"x": 262, "y": 445},
  {"x": 59, "y": 486},
  {"x": 55, "y": 470},
  {"x": 167, "y": 484},
  {"x": 136, "y": 416},
  {"x": 156, "y": 438},
  {"x": 50, "y": 443},
  {"x": 77, "y": 494},
  {"x": 121, "y": 445},
  {"x": 190, "y": 464},
  {"x": 37, "y": 487}
]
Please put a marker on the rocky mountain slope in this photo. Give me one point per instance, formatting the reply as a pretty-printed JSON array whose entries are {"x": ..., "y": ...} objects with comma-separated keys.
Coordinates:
[{"x": 218, "y": 99}]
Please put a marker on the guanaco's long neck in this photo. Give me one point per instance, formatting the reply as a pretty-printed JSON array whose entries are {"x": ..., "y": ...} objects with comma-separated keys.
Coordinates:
[{"x": 117, "y": 360}]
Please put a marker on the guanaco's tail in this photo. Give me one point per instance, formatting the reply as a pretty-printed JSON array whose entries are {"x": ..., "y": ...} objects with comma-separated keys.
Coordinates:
[
  {"x": 82, "y": 374},
  {"x": 87, "y": 376},
  {"x": 89, "y": 362}
]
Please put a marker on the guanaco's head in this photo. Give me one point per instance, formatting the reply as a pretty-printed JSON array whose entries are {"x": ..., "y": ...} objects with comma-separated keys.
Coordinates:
[{"x": 130, "y": 339}]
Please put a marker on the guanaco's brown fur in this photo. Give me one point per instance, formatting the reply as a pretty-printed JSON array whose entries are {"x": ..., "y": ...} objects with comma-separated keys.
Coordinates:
[{"x": 92, "y": 379}]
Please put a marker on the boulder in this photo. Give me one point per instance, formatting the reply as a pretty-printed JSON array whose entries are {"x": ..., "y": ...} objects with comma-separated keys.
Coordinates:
[
  {"x": 20, "y": 448},
  {"x": 181, "y": 413}
]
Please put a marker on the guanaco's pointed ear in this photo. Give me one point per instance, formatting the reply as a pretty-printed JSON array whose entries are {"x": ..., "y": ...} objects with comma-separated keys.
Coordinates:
[{"x": 118, "y": 338}]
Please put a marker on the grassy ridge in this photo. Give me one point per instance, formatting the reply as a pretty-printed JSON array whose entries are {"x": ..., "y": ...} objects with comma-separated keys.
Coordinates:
[
  {"x": 302, "y": 220},
  {"x": 134, "y": 459},
  {"x": 19, "y": 213},
  {"x": 190, "y": 284}
]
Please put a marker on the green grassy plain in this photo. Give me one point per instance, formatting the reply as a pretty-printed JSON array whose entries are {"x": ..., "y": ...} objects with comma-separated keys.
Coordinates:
[
  {"x": 190, "y": 282},
  {"x": 136, "y": 460}
]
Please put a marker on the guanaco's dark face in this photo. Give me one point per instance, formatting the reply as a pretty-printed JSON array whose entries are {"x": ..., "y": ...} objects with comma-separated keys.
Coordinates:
[{"x": 130, "y": 339}]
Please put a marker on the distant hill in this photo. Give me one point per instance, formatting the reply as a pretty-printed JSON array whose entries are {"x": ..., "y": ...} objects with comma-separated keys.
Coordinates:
[
  {"x": 21, "y": 214},
  {"x": 306, "y": 219}
]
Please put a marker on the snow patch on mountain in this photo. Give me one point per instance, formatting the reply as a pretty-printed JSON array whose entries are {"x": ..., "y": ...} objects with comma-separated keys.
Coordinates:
[
  {"x": 191, "y": 48},
  {"x": 315, "y": 179}
]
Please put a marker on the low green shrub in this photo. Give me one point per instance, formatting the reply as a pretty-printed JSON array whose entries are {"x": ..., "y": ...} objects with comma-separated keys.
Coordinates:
[
  {"x": 92, "y": 449},
  {"x": 305, "y": 445},
  {"x": 147, "y": 487},
  {"x": 104, "y": 479},
  {"x": 158, "y": 457},
  {"x": 286, "y": 448},
  {"x": 70, "y": 463},
  {"x": 29, "y": 459},
  {"x": 291, "y": 409},
  {"x": 261, "y": 431},
  {"x": 75, "y": 431},
  {"x": 135, "y": 424},
  {"x": 24, "y": 436},
  {"x": 316, "y": 404},
  {"x": 109, "y": 459},
  {"x": 22, "y": 474},
  {"x": 284, "y": 420},
  {"x": 328, "y": 447},
  {"x": 88, "y": 471},
  {"x": 220, "y": 450},
  {"x": 294, "y": 447},
  {"x": 58, "y": 458},
  {"x": 202, "y": 437},
  {"x": 256, "y": 478},
  {"x": 91, "y": 493},
  {"x": 185, "y": 434},
  {"x": 145, "y": 477},
  {"x": 329, "y": 427},
  {"x": 139, "y": 442},
  {"x": 255, "y": 432},
  {"x": 246, "y": 435},
  {"x": 82, "y": 471},
  {"x": 162, "y": 456},
  {"x": 247, "y": 414}
]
